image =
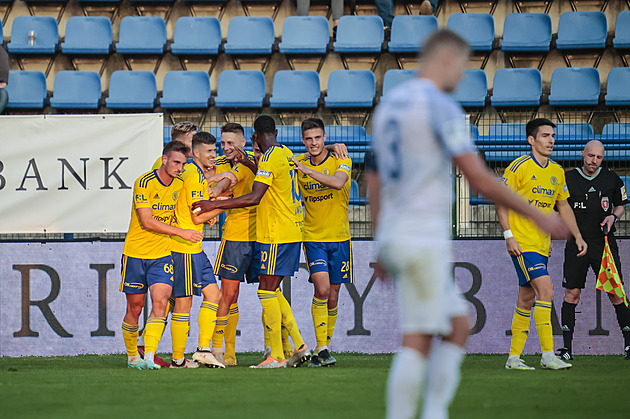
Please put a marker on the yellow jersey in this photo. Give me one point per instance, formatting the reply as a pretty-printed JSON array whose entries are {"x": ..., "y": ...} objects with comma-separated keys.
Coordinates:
[
  {"x": 542, "y": 187},
  {"x": 325, "y": 209},
  {"x": 150, "y": 192},
  {"x": 240, "y": 223},
  {"x": 279, "y": 218},
  {"x": 195, "y": 189}
]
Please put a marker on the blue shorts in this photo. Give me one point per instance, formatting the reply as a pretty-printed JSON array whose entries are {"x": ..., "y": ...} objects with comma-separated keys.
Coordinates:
[
  {"x": 332, "y": 257},
  {"x": 235, "y": 261},
  {"x": 191, "y": 274},
  {"x": 137, "y": 275},
  {"x": 281, "y": 259},
  {"x": 530, "y": 265}
]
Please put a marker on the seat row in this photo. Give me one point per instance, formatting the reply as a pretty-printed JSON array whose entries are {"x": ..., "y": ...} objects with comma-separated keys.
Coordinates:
[{"x": 526, "y": 32}]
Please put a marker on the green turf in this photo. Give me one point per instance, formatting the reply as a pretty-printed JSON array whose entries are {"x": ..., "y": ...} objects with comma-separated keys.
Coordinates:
[{"x": 101, "y": 386}]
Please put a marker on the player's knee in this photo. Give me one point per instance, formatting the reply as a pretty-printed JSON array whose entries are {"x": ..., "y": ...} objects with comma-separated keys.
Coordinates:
[
  {"x": 572, "y": 296},
  {"x": 322, "y": 293},
  {"x": 134, "y": 309}
]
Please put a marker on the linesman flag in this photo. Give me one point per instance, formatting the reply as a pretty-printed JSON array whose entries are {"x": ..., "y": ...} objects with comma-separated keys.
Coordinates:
[{"x": 608, "y": 279}]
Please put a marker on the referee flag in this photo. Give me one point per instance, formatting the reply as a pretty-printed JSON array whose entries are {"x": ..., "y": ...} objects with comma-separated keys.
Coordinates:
[{"x": 608, "y": 279}]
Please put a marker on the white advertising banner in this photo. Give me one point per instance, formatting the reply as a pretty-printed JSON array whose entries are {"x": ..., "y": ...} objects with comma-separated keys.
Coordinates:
[{"x": 73, "y": 173}]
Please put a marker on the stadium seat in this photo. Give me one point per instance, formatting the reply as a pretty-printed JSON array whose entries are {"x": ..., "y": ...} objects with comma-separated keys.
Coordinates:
[
  {"x": 472, "y": 89},
  {"x": 347, "y": 134},
  {"x": 616, "y": 132},
  {"x": 516, "y": 87},
  {"x": 582, "y": 30},
  {"x": 305, "y": 35},
  {"x": 186, "y": 90},
  {"x": 132, "y": 90},
  {"x": 574, "y": 131},
  {"x": 1, "y": 34},
  {"x": 618, "y": 87},
  {"x": 355, "y": 199},
  {"x": 395, "y": 77},
  {"x": 474, "y": 132},
  {"x": 240, "y": 89},
  {"x": 357, "y": 34},
  {"x": 295, "y": 89},
  {"x": 526, "y": 32},
  {"x": 476, "y": 28},
  {"x": 622, "y": 30},
  {"x": 46, "y": 35},
  {"x": 88, "y": 35},
  {"x": 196, "y": 36},
  {"x": 506, "y": 133},
  {"x": 564, "y": 82},
  {"x": 290, "y": 134},
  {"x": 250, "y": 35},
  {"x": 76, "y": 90},
  {"x": 26, "y": 89},
  {"x": 350, "y": 89},
  {"x": 142, "y": 35},
  {"x": 410, "y": 31}
]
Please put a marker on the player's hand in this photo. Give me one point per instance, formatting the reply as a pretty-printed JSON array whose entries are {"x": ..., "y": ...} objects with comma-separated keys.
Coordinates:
[
  {"x": 299, "y": 165},
  {"x": 212, "y": 221},
  {"x": 608, "y": 222},
  {"x": 191, "y": 235},
  {"x": 581, "y": 245},
  {"x": 204, "y": 206},
  {"x": 240, "y": 155},
  {"x": 513, "y": 248},
  {"x": 340, "y": 150}
]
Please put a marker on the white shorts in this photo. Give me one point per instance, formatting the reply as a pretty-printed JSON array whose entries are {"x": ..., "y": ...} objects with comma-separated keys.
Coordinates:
[{"x": 428, "y": 294}]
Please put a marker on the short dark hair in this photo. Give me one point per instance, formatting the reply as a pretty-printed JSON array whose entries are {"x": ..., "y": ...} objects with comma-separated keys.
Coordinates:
[
  {"x": 176, "y": 146},
  {"x": 312, "y": 123},
  {"x": 233, "y": 127},
  {"x": 531, "y": 129},
  {"x": 444, "y": 38},
  {"x": 182, "y": 128},
  {"x": 203, "y": 137},
  {"x": 265, "y": 124}
]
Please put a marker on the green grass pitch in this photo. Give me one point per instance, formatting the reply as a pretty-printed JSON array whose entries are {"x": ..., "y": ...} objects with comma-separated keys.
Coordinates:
[{"x": 94, "y": 386}]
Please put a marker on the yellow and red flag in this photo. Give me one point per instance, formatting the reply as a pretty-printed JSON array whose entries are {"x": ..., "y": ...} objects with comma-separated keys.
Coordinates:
[{"x": 608, "y": 279}]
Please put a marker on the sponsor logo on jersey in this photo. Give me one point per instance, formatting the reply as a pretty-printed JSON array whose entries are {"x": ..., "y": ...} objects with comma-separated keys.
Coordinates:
[
  {"x": 163, "y": 207},
  {"x": 543, "y": 191},
  {"x": 175, "y": 195},
  {"x": 326, "y": 171},
  {"x": 230, "y": 268},
  {"x": 592, "y": 189},
  {"x": 156, "y": 196},
  {"x": 141, "y": 198},
  {"x": 318, "y": 262},
  {"x": 534, "y": 177},
  {"x": 320, "y": 198},
  {"x": 310, "y": 186},
  {"x": 263, "y": 173},
  {"x": 344, "y": 167},
  {"x": 537, "y": 267},
  {"x": 539, "y": 204},
  {"x": 196, "y": 285},
  {"x": 135, "y": 285},
  {"x": 605, "y": 203},
  {"x": 553, "y": 180}
]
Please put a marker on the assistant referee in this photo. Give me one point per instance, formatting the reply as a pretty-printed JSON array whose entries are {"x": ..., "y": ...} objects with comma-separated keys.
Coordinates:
[{"x": 597, "y": 197}]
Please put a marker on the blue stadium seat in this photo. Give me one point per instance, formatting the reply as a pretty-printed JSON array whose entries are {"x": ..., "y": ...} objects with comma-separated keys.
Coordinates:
[
  {"x": 186, "y": 90},
  {"x": 472, "y": 89},
  {"x": 76, "y": 90},
  {"x": 250, "y": 35},
  {"x": 526, "y": 32},
  {"x": 622, "y": 30},
  {"x": 1, "y": 34},
  {"x": 290, "y": 134},
  {"x": 355, "y": 199},
  {"x": 359, "y": 34},
  {"x": 618, "y": 87},
  {"x": 582, "y": 30},
  {"x": 476, "y": 28},
  {"x": 295, "y": 89},
  {"x": 305, "y": 35},
  {"x": 132, "y": 90},
  {"x": 142, "y": 35},
  {"x": 46, "y": 32},
  {"x": 410, "y": 31},
  {"x": 574, "y": 130},
  {"x": 564, "y": 82},
  {"x": 507, "y": 134},
  {"x": 616, "y": 132},
  {"x": 395, "y": 77},
  {"x": 516, "y": 87},
  {"x": 26, "y": 89},
  {"x": 474, "y": 132},
  {"x": 350, "y": 89},
  {"x": 88, "y": 35},
  {"x": 240, "y": 89},
  {"x": 196, "y": 36},
  {"x": 347, "y": 134}
]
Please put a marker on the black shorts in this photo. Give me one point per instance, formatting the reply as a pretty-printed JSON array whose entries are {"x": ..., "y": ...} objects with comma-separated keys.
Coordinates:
[{"x": 576, "y": 268}]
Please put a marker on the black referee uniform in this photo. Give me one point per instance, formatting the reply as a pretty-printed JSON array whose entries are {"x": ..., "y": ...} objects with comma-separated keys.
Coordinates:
[{"x": 592, "y": 199}]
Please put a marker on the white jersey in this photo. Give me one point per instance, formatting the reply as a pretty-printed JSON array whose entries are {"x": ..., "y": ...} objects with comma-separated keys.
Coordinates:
[{"x": 417, "y": 130}]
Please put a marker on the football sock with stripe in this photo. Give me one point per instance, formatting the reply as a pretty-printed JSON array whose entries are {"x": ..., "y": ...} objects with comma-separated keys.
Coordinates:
[
  {"x": 286, "y": 343},
  {"x": 219, "y": 332},
  {"x": 332, "y": 320},
  {"x": 180, "y": 326},
  {"x": 230, "y": 330},
  {"x": 207, "y": 321},
  {"x": 443, "y": 378},
  {"x": 130, "y": 336},
  {"x": 520, "y": 330},
  {"x": 289, "y": 321},
  {"x": 568, "y": 324},
  {"x": 542, "y": 318},
  {"x": 623, "y": 318},
  {"x": 170, "y": 306},
  {"x": 405, "y": 382},
  {"x": 319, "y": 311},
  {"x": 266, "y": 333},
  {"x": 272, "y": 320},
  {"x": 153, "y": 333}
]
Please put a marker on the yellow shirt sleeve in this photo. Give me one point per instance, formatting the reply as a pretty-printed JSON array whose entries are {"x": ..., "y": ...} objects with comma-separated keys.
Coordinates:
[
  {"x": 345, "y": 165},
  {"x": 157, "y": 163},
  {"x": 564, "y": 190},
  {"x": 141, "y": 195},
  {"x": 265, "y": 173}
]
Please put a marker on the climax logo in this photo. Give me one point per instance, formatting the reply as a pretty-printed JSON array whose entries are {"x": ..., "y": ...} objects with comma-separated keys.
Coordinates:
[
  {"x": 318, "y": 262},
  {"x": 135, "y": 285},
  {"x": 230, "y": 268}
]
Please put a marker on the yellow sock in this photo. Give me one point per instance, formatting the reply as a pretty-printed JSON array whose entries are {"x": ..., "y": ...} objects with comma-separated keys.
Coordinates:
[
  {"x": 520, "y": 330},
  {"x": 320, "y": 320},
  {"x": 289, "y": 321},
  {"x": 266, "y": 334},
  {"x": 286, "y": 343},
  {"x": 542, "y": 318},
  {"x": 219, "y": 332},
  {"x": 230, "y": 330},
  {"x": 130, "y": 336},
  {"x": 180, "y": 323},
  {"x": 332, "y": 319},
  {"x": 272, "y": 320},
  {"x": 153, "y": 333},
  {"x": 170, "y": 306},
  {"x": 207, "y": 320}
]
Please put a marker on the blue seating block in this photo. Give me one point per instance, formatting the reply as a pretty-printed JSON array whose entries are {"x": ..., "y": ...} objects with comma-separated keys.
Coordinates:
[
  {"x": 305, "y": 35},
  {"x": 290, "y": 134},
  {"x": 395, "y": 77},
  {"x": 186, "y": 90},
  {"x": 472, "y": 89},
  {"x": 517, "y": 87},
  {"x": 348, "y": 134},
  {"x": 616, "y": 132},
  {"x": 240, "y": 89},
  {"x": 46, "y": 33},
  {"x": 142, "y": 35},
  {"x": 359, "y": 34},
  {"x": 196, "y": 36},
  {"x": 526, "y": 32},
  {"x": 564, "y": 82},
  {"x": 132, "y": 90},
  {"x": 250, "y": 35},
  {"x": 76, "y": 90},
  {"x": 350, "y": 89},
  {"x": 87, "y": 35},
  {"x": 26, "y": 89},
  {"x": 355, "y": 199},
  {"x": 618, "y": 87},
  {"x": 295, "y": 89},
  {"x": 582, "y": 30},
  {"x": 410, "y": 31},
  {"x": 622, "y": 30},
  {"x": 574, "y": 130},
  {"x": 476, "y": 28}
]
